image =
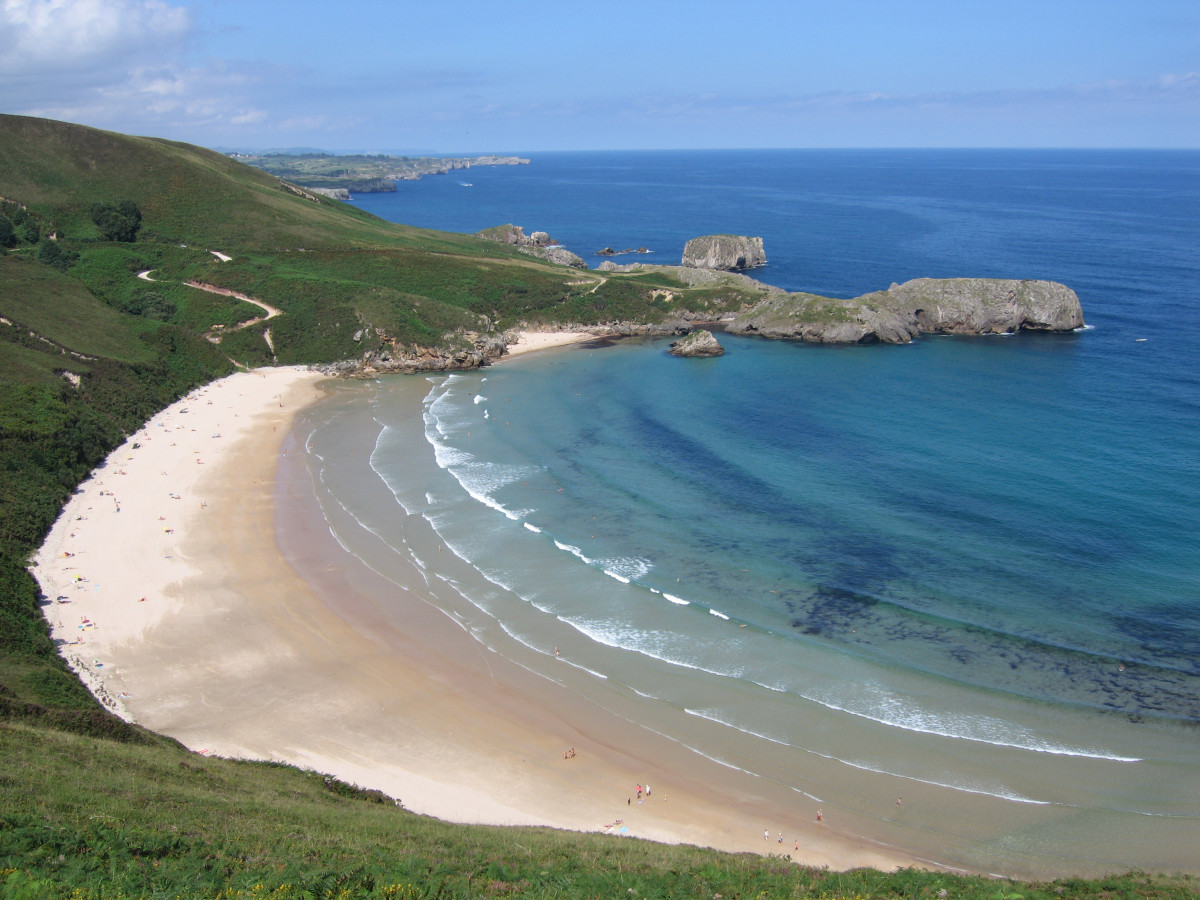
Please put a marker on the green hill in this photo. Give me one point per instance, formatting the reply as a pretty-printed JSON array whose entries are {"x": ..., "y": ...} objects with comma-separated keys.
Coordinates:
[
  {"x": 334, "y": 271},
  {"x": 92, "y": 807}
]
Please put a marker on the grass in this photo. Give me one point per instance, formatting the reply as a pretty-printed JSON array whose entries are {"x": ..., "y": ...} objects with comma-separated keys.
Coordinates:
[
  {"x": 63, "y": 311},
  {"x": 92, "y": 818}
]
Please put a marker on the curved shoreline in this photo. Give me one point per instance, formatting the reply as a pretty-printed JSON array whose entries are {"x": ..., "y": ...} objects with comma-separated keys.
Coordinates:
[{"x": 194, "y": 625}]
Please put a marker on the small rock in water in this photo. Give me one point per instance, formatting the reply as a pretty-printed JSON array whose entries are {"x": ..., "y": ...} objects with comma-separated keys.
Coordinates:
[{"x": 698, "y": 343}]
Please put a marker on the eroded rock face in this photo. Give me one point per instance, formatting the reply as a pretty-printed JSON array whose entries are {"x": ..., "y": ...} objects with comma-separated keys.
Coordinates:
[
  {"x": 986, "y": 305},
  {"x": 698, "y": 343},
  {"x": 555, "y": 254},
  {"x": 538, "y": 244},
  {"x": 731, "y": 252}
]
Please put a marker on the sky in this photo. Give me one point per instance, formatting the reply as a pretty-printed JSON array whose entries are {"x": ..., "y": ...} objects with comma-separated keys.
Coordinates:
[{"x": 492, "y": 77}]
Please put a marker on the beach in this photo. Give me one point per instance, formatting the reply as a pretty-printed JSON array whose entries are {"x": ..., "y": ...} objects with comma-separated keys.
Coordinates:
[
  {"x": 195, "y": 586},
  {"x": 530, "y": 341}
]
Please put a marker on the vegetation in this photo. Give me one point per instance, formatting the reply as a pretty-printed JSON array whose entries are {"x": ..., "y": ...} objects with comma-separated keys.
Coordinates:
[
  {"x": 90, "y": 817},
  {"x": 117, "y": 222},
  {"x": 91, "y": 807}
]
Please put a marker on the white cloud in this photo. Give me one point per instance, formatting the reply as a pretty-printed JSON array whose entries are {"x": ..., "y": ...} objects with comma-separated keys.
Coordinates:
[{"x": 41, "y": 39}]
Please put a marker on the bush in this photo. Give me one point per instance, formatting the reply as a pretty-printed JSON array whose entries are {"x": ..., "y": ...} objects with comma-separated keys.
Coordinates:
[
  {"x": 51, "y": 253},
  {"x": 151, "y": 305}
]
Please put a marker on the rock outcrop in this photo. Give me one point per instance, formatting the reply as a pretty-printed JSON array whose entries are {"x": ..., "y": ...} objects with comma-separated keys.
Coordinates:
[
  {"x": 924, "y": 305},
  {"x": 731, "y": 252},
  {"x": 986, "y": 305},
  {"x": 556, "y": 254},
  {"x": 698, "y": 343},
  {"x": 538, "y": 244},
  {"x": 332, "y": 193}
]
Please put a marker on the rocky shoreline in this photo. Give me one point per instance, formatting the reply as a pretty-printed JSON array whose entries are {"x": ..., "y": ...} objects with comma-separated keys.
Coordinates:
[{"x": 901, "y": 314}]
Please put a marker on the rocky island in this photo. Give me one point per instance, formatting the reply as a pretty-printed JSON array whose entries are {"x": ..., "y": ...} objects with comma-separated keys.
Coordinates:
[{"x": 700, "y": 343}]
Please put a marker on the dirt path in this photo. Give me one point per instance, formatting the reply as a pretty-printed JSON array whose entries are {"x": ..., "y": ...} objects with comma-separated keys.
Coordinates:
[
  {"x": 271, "y": 311},
  {"x": 214, "y": 334}
]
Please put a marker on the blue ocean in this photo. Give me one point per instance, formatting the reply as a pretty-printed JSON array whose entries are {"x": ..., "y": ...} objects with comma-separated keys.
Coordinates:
[{"x": 963, "y": 569}]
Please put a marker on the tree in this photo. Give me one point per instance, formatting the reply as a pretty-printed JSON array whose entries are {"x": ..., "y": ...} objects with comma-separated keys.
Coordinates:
[
  {"x": 117, "y": 222},
  {"x": 8, "y": 237}
]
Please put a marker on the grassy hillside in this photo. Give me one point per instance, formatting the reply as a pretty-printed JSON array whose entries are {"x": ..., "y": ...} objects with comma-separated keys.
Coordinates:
[
  {"x": 335, "y": 271},
  {"x": 91, "y": 807}
]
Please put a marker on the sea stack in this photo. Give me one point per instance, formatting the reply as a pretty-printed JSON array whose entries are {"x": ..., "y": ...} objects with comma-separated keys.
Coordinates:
[{"x": 698, "y": 343}]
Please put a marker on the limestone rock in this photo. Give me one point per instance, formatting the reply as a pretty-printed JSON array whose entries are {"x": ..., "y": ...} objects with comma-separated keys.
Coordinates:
[
  {"x": 822, "y": 320},
  {"x": 986, "y": 305},
  {"x": 924, "y": 305},
  {"x": 555, "y": 254},
  {"x": 698, "y": 343},
  {"x": 538, "y": 244},
  {"x": 731, "y": 252},
  {"x": 504, "y": 234}
]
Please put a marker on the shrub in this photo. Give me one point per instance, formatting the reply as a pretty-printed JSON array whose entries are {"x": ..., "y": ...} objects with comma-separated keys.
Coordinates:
[{"x": 52, "y": 254}]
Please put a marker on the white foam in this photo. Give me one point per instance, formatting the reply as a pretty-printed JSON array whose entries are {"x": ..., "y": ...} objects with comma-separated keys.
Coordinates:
[
  {"x": 650, "y": 644},
  {"x": 573, "y": 550},
  {"x": 894, "y": 712},
  {"x": 678, "y": 601},
  {"x": 593, "y": 672},
  {"x": 532, "y": 527},
  {"x": 719, "y": 615},
  {"x": 998, "y": 792}
]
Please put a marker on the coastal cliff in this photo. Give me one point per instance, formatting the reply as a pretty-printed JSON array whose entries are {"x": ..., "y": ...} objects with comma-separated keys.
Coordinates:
[{"x": 363, "y": 174}]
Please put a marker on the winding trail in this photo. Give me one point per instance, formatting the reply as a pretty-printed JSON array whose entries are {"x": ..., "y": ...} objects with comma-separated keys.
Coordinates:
[
  {"x": 271, "y": 311},
  {"x": 215, "y": 333}
]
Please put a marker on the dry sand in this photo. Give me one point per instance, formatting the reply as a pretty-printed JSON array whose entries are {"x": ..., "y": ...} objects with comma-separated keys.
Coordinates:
[
  {"x": 177, "y": 607},
  {"x": 529, "y": 341}
]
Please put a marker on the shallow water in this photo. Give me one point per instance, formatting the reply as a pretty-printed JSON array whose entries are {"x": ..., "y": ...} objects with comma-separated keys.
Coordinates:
[{"x": 963, "y": 570}]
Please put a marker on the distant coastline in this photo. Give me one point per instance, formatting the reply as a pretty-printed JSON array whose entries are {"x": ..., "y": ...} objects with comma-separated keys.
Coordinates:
[{"x": 363, "y": 173}]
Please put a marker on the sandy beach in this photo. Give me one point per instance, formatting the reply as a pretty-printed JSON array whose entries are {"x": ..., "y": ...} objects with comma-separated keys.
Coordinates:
[
  {"x": 175, "y": 600},
  {"x": 530, "y": 341}
]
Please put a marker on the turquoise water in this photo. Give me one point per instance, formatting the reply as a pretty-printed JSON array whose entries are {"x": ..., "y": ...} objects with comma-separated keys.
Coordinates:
[{"x": 967, "y": 564}]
